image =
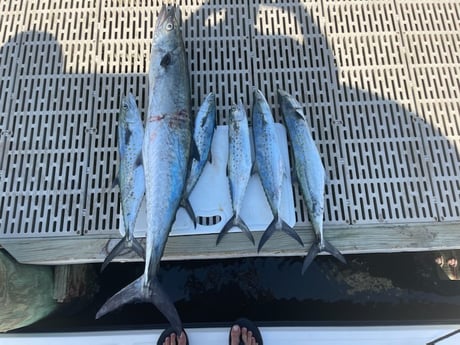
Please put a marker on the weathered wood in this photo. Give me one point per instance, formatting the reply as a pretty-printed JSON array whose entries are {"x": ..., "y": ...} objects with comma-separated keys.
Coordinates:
[
  {"x": 73, "y": 281},
  {"x": 353, "y": 239},
  {"x": 26, "y": 293}
]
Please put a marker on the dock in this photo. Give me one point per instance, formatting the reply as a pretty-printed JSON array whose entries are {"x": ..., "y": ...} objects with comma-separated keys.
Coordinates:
[{"x": 379, "y": 82}]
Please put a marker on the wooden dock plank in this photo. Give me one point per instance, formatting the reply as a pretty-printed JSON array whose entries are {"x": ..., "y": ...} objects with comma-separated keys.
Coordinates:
[{"x": 353, "y": 239}]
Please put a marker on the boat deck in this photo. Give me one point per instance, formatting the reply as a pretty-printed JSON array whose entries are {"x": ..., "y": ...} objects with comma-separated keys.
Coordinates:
[
  {"x": 372, "y": 335},
  {"x": 379, "y": 82}
]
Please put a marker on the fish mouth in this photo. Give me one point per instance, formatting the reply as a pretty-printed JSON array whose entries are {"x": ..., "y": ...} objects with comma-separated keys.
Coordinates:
[
  {"x": 282, "y": 93},
  {"x": 211, "y": 97},
  {"x": 258, "y": 95},
  {"x": 131, "y": 100},
  {"x": 169, "y": 17}
]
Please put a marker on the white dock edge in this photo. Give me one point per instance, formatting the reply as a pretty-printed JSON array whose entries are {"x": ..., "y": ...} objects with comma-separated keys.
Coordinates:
[{"x": 369, "y": 335}]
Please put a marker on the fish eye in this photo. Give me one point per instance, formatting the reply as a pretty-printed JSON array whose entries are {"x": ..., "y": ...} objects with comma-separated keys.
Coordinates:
[
  {"x": 125, "y": 106},
  {"x": 169, "y": 26}
]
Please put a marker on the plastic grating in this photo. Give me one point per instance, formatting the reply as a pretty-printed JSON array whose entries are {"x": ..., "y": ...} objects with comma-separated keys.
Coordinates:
[
  {"x": 49, "y": 121},
  {"x": 432, "y": 39},
  {"x": 379, "y": 81},
  {"x": 10, "y": 16},
  {"x": 383, "y": 149}
]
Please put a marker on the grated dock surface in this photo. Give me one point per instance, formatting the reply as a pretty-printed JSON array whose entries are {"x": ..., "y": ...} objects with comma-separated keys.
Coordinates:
[{"x": 379, "y": 81}]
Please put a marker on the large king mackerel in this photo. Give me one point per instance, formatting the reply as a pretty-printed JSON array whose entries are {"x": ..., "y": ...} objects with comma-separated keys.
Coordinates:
[
  {"x": 310, "y": 173},
  {"x": 269, "y": 164},
  {"x": 131, "y": 174},
  {"x": 239, "y": 167},
  {"x": 203, "y": 132},
  {"x": 166, "y": 150}
]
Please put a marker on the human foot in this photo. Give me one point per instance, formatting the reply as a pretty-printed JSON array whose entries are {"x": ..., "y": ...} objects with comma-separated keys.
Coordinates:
[
  {"x": 169, "y": 337},
  {"x": 245, "y": 332}
]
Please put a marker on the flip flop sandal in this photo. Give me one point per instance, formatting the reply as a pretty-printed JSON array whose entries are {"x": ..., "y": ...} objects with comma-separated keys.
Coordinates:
[
  {"x": 166, "y": 333},
  {"x": 250, "y": 326}
]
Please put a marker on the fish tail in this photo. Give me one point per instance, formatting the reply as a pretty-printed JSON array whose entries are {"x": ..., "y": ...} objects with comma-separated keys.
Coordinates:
[
  {"x": 137, "y": 248},
  {"x": 328, "y": 247},
  {"x": 124, "y": 243},
  {"x": 278, "y": 224},
  {"x": 185, "y": 203},
  {"x": 235, "y": 221},
  {"x": 315, "y": 249},
  {"x": 312, "y": 253},
  {"x": 139, "y": 292}
]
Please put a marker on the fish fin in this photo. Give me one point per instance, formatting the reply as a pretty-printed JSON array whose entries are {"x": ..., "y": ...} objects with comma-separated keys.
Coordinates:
[
  {"x": 137, "y": 292},
  {"x": 139, "y": 160},
  {"x": 166, "y": 60},
  {"x": 267, "y": 234},
  {"x": 116, "y": 181},
  {"x": 194, "y": 153},
  {"x": 299, "y": 113},
  {"x": 315, "y": 249},
  {"x": 122, "y": 245},
  {"x": 138, "y": 249},
  {"x": 274, "y": 225},
  {"x": 128, "y": 135},
  {"x": 291, "y": 232},
  {"x": 185, "y": 203},
  {"x": 312, "y": 253},
  {"x": 235, "y": 221},
  {"x": 328, "y": 247}
]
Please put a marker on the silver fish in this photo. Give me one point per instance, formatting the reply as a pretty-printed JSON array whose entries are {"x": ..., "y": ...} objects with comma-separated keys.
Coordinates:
[
  {"x": 269, "y": 164},
  {"x": 239, "y": 167},
  {"x": 310, "y": 173},
  {"x": 203, "y": 132},
  {"x": 131, "y": 174},
  {"x": 166, "y": 152}
]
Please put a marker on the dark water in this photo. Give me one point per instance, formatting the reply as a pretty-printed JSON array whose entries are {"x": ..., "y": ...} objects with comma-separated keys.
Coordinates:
[{"x": 377, "y": 288}]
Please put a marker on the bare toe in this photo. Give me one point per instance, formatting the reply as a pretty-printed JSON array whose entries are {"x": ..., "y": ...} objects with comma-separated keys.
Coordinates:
[
  {"x": 244, "y": 335},
  {"x": 235, "y": 334},
  {"x": 182, "y": 339}
]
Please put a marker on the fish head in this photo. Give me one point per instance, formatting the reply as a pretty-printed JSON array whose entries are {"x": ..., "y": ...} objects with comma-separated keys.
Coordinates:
[
  {"x": 128, "y": 109},
  {"x": 258, "y": 95},
  {"x": 237, "y": 113},
  {"x": 210, "y": 105},
  {"x": 210, "y": 99},
  {"x": 261, "y": 109},
  {"x": 167, "y": 27},
  {"x": 289, "y": 105}
]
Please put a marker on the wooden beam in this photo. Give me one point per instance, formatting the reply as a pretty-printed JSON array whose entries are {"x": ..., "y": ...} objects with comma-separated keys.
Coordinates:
[{"x": 352, "y": 239}]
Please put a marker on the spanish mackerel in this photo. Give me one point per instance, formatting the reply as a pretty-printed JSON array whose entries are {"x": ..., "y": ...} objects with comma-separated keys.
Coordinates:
[
  {"x": 310, "y": 173},
  {"x": 131, "y": 174},
  {"x": 269, "y": 164},
  {"x": 166, "y": 151},
  {"x": 239, "y": 167},
  {"x": 203, "y": 132}
]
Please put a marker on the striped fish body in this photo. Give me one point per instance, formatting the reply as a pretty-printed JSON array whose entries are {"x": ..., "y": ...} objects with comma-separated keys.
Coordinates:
[
  {"x": 203, "y": 131},
  {"x": 269, "y": 164},
  {"x": 239, "y": 166},
  {"x": 310, "y": 172},
  {"x": 165, "y": 153},
  {"x": 167, "y": 138},
  {"x": 131, "y": 174}
]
